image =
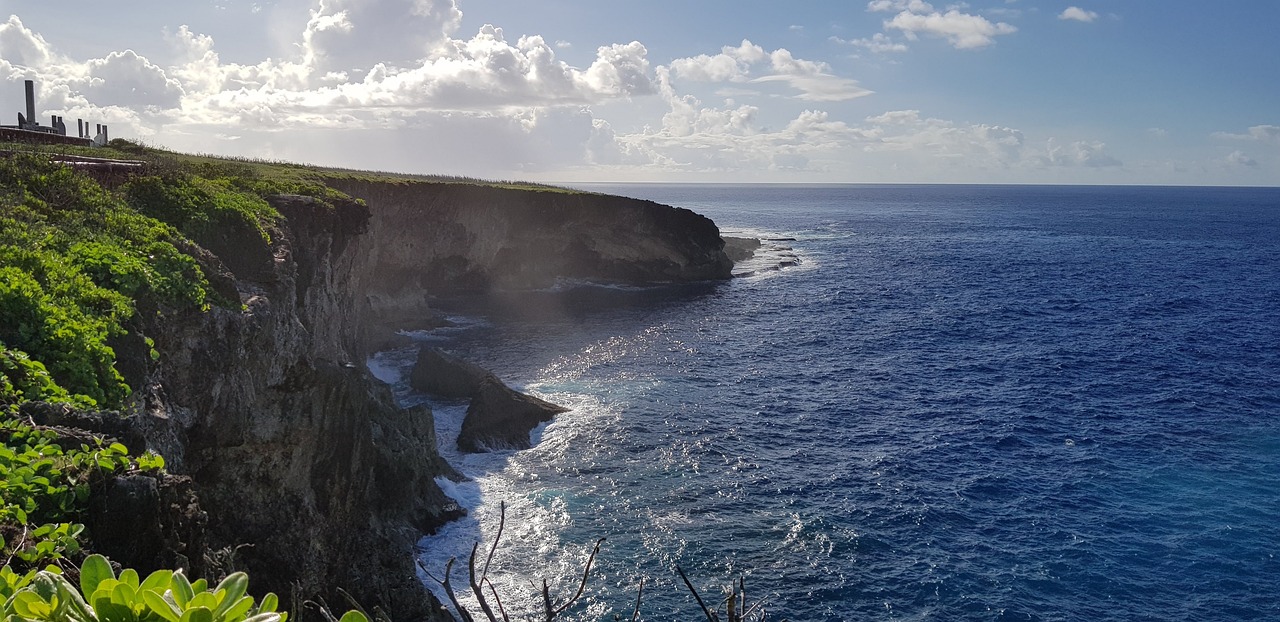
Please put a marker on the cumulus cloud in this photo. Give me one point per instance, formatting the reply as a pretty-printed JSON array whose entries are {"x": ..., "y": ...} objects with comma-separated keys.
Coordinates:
[
  {"x": 1079, "y": 153},
  {"x": 1075, "y": 13},
  {"x": 20, "y": 46},
  {"x": 1238, "y": 158},
  {"x": 355, "y": 35},
  {"x": 392, "y": 84},
  {"x": 977, "y": 145},
  {"x": 126, "y": 79},
  {"x": 964, "y": 31},
  {"x": 1261, "y": 133},
  {"x": 814, "y": 80}
]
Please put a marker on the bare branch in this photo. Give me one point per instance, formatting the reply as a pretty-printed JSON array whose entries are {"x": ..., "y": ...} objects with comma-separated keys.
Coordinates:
[
  {"x": 453, "y": 598},
  {"x": 546, "y": 601},
  {"x": 475, "y": 585},
  {"x": 583, "y": 585},
  {"x": 502, "y": 524},
  {"x": 492, "y": 590},
  {"x": 635, "y": 616},
  {"x": 711, "y": 617}
]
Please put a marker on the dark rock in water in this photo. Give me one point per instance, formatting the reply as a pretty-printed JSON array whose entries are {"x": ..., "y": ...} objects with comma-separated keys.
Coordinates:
[
  {"x": 446, "y": 376},
  {"x": 740, "y": 249},
  {"x": 500, "y": 417}
]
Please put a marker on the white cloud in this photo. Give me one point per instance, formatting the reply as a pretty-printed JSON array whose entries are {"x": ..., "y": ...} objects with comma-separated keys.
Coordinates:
[
  {"x": 813, "y": 80},
  {"x": 488, "y": 105},
  {"x": 1078, "y": 14},
  {"x": 128, "y": 80},
  {"x": 913, "y": 6},
  {"x": 20, "y": 46},
  {"x": 1238, "y": 158},
  {"x": 879, "y": 43},
  {"x": 1261, "y": 133},
  {"x": 1079, "y": 153},
  {"x": 730, "y": 65},
  {"x": 975, "y": 145},
  {"x": 964, "y": 31},
  {"x": 347, "y": 35}
]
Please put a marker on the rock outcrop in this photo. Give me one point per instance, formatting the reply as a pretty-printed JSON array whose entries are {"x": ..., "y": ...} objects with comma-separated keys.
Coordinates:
[
  {"x": 304, "y": 467},
  {"x": 447, "y": 376},
  {"x": 501, "y": 418},
  {"x": 497, "y": 418},
  {"x": 447, "y": 238}
]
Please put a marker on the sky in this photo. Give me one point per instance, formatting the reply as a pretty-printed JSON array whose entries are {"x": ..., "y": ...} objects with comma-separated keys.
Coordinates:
[{"x": 848, "y": 91}]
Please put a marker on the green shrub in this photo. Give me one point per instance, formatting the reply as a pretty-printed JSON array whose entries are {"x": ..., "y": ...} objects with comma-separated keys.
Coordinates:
[
  {"x": 60, "y": 333},
  {"x": 22, "y": 379},
  {"x": 101, "y": 596},
  {"x": 200, "y": 208}
]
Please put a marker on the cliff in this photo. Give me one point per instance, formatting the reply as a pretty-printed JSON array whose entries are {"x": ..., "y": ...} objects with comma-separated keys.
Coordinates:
[
  {"x": 443, "y": 238},
  {"x": 292, "y": 447}
]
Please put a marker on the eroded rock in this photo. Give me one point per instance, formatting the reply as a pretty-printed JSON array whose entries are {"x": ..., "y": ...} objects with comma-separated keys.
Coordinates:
[
  {"x": 501, "y": 418},
  {"x": 445, "y": 375}
]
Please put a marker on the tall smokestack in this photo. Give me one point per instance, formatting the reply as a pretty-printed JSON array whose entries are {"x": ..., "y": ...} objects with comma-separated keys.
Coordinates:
[{"x": 31, "y": 102}]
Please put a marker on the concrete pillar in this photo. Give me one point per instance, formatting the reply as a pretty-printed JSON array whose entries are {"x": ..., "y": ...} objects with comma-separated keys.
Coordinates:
[{"x": 31, "y": 102}]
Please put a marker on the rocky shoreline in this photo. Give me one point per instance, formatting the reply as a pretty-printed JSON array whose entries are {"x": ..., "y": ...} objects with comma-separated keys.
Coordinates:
[{"x": 289, "y": 459}]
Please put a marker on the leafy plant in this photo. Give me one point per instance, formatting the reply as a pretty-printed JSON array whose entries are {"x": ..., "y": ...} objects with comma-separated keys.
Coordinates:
[{"x": 102, "y": 596}]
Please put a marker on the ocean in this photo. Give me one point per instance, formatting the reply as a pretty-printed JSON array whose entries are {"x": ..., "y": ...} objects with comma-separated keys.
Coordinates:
[{"x": 915, "y": 403}]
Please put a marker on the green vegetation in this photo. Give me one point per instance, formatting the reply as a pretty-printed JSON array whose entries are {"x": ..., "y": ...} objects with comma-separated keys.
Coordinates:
[
  {"x": 81, "y": 268},
  {"x": 85, "y": 266},
  {"x": 45, "y": 483},
  {"x": 101, "y": 596}
]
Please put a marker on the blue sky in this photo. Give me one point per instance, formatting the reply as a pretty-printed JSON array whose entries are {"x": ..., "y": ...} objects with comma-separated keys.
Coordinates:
[{"x": 1002, "y": 91}]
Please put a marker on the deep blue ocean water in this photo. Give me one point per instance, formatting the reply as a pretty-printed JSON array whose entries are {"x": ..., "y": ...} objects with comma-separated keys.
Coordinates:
[{"x": 962, "y": 403}]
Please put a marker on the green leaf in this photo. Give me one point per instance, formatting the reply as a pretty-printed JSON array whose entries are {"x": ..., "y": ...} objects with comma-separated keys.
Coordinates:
[
  {"x": 123, "y": 594},
  {"x": 158, "y": 580},
  {"x": 353, "y": 616},
  {"x": 181, "y": 589},
  {"x": 269, "y": 616},
  {"x": 270, "y": 602},
  {"x": 197, "y": 614},
  {"x": 162, "y": 607},
  {"x": 129, "y": 576},
  {"x": 77, "y": 609},
  {"x": 208, "y": 600},
  {"x": 232, "y": 588},
  {"x": 94, "y": 569},
  {"x": 111, "y": 612},
  {"x": 30, "y": 605},
  {"x": 236, "y": 611}
]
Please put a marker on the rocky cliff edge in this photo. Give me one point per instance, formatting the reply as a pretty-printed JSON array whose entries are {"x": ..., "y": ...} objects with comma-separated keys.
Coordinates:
[{"x": 311, "y": 477}]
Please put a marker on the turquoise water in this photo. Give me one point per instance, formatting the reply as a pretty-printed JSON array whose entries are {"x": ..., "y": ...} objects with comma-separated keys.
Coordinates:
[{"x": 961, "y": 403}]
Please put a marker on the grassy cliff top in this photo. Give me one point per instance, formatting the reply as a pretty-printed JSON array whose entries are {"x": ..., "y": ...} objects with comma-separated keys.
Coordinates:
[{"x": 276, "y": 171}]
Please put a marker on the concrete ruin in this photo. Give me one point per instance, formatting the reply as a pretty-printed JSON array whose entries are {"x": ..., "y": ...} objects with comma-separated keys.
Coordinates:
[{"x": 29, "y": 129}]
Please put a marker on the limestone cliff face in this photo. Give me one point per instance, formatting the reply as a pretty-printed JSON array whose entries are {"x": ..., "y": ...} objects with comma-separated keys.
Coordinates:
[
  {"x": 449, "y": 237},
  {"x": 293, "y": 449},
  {"x": 291, "y": 446}
]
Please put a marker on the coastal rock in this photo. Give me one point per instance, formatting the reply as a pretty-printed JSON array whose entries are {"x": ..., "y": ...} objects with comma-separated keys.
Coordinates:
[
  {"x": 305, "y": 466},
  {"x": 740, "y": 249},
  {"x": 445, "y": 238},
  {"x": 501, "y": 418},
  {"x": 302, "y": 463},
  {"x": 445, "y": 375}
]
